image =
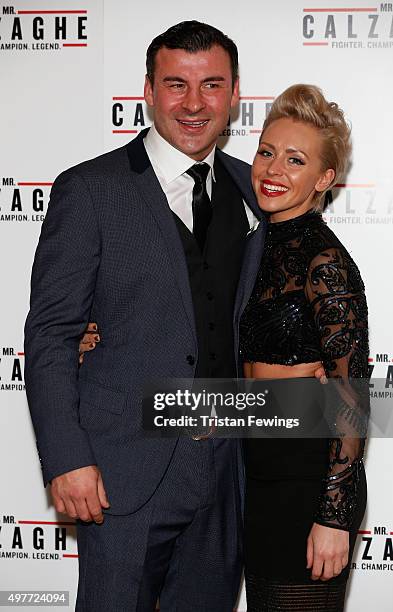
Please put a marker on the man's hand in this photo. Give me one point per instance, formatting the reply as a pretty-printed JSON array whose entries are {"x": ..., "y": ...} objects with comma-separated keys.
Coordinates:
[
  {"x": 89, "y": 340},
  {"x": 327, "y": 551},
  {"x": 80, "y": 494}
]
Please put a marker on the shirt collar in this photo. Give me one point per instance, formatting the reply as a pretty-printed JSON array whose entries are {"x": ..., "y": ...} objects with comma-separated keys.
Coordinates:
[{"x": 168, "y": 162}]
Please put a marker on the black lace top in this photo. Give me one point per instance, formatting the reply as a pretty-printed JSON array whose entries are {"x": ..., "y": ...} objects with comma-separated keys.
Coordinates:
[{"x": 308, "y": 304}]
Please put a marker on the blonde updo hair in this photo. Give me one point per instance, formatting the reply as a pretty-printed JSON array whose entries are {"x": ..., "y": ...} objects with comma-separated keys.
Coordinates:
[{"x": 307, "y": 103}]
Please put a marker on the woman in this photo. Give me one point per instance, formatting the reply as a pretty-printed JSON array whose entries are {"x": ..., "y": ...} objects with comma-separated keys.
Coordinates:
[{"x": 306, "y": 498}]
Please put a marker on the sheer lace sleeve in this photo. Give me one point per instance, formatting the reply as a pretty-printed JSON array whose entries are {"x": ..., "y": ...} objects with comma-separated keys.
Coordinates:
[{"x": 335, "y": 291}]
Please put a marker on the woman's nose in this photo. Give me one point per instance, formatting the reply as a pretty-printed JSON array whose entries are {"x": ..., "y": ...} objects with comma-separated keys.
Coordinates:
[{"x": 275, "y": 166}]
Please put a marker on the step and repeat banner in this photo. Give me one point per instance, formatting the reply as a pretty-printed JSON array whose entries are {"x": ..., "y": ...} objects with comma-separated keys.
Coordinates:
[{"x": 71, "y": 82}]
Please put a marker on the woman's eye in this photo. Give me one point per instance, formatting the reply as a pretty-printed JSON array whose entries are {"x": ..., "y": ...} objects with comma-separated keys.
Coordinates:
[
  {"x": 297, "y": 161},
  {"x": 265, "y": 153}
]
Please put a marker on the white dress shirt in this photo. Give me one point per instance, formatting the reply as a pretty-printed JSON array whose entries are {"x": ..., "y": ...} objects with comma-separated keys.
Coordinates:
[{"x": 170, "y": 165}]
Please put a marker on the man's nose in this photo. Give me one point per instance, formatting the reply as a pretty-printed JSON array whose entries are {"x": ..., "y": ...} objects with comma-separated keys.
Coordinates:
[{"x": 193, "y": 101}]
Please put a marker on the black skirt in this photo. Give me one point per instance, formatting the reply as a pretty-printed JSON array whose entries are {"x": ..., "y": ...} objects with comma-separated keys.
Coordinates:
[{"x": 279, "y": 514}]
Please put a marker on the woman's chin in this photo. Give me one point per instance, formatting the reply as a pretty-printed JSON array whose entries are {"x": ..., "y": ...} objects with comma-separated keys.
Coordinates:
[{"x": 270, "y": 205}]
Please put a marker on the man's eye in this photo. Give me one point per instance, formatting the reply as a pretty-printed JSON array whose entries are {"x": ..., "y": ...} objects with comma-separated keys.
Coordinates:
[
  {"x": 211, "y": 85},
  {"x": 297, "y": 161},
  {"x": 177, "y": 85}
]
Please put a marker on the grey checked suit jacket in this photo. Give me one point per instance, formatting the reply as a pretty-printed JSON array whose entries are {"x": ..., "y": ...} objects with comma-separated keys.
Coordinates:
[{"x": 109, "y": 251}]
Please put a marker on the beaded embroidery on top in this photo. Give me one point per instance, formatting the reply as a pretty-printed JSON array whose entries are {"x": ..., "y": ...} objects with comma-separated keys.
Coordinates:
[{"x": 308, "y": 304}]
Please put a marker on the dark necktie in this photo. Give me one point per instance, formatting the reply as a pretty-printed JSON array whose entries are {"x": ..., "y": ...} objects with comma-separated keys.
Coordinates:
[{"x": 201, "y": 205}]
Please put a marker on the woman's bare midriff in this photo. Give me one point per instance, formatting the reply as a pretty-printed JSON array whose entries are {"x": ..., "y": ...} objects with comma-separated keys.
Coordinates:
[{"x": 258, "y": 369}]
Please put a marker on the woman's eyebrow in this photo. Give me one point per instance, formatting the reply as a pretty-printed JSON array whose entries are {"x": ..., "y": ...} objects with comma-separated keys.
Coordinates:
[
  {"x": 289, "y": 150},
  {"x": 292, "y": 150}
]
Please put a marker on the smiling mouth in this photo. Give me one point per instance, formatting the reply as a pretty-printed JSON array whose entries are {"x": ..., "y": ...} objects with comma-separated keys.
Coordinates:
[
  {"x": 273, "y": 190},
  {"x": 193, "y": 125}
]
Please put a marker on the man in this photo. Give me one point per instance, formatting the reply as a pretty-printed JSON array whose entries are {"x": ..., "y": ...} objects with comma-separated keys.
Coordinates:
[{"x": 147, "y": 240}]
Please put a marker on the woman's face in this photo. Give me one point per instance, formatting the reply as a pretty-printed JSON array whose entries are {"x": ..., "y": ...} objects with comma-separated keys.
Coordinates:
[{"x": 286, "y": 171}]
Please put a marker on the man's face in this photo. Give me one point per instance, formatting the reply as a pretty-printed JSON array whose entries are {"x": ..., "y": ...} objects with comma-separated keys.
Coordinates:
[{"x": 192, "y": 96}]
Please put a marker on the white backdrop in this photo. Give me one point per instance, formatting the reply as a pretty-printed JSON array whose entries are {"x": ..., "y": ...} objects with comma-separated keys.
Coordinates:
[{"x": 71, "y": 79}]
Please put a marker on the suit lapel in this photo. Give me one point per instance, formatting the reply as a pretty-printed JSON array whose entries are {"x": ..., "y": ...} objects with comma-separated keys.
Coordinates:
[
  {"x": 251, "y": 260},
  {"x": 152, "y": 195},
  {"x": 241, "y": 174}
]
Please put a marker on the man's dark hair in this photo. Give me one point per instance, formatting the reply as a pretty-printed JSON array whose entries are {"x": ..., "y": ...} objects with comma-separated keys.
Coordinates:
[{"x": 191, "y": 36}]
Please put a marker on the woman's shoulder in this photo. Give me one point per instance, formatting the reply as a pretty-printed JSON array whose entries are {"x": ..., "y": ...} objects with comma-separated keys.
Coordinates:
[
  {"x": 328, "y": 255},
  {"x": 321, "y": 238}
]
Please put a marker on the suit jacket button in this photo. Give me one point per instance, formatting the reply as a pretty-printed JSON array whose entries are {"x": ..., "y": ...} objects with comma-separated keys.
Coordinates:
[{"x": 190, "y": 359}]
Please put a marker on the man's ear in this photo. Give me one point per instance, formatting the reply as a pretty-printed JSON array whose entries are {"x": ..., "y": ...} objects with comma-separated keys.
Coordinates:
[
  {"x": 148, "y": 92},
  {"x": 325, "y": 180},
  {"x": 235, "y": 93}
]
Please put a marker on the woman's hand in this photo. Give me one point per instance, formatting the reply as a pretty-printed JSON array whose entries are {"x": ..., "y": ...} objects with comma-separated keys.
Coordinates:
[
  {"x": 327, "y": 551},
  {"x": 89, "y": 340},
  {"x": 321, "y": 375}
]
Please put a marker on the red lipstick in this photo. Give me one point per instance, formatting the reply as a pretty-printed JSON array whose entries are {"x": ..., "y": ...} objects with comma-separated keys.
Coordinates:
[{"x": 272, "y": 193}]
